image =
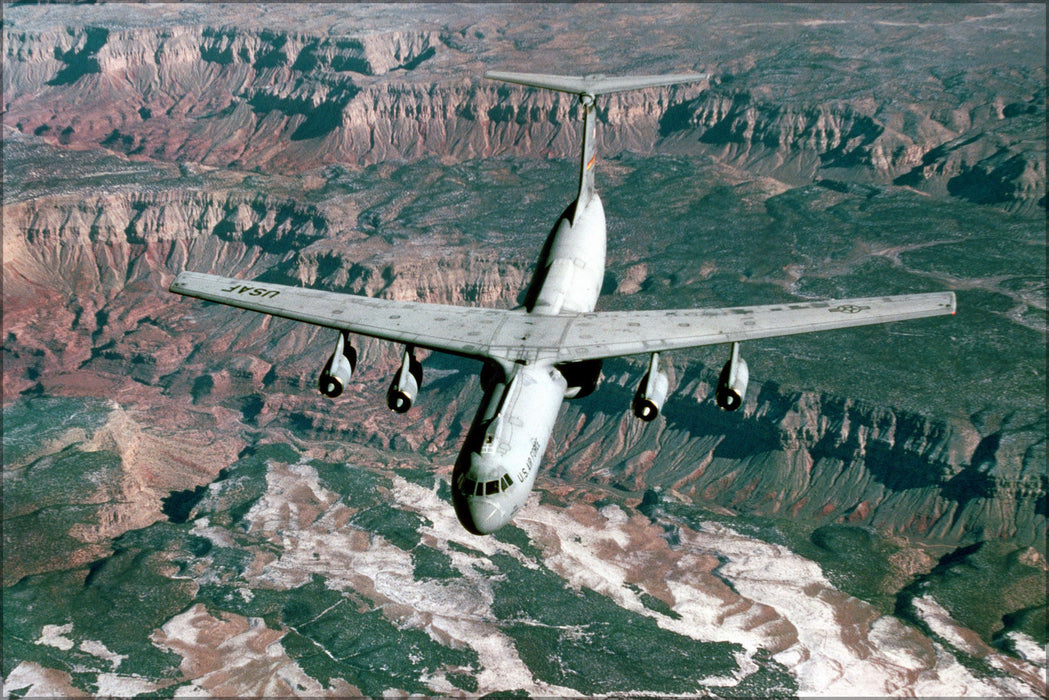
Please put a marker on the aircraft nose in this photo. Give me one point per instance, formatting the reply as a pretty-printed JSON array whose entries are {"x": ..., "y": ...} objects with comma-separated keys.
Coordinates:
[{"x": 487, "y": 517}]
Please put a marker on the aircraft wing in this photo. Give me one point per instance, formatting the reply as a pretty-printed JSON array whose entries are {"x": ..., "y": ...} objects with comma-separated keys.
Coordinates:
[
  {"x": 459, "y": 330},
  {"x": 513, "y": 335},
  {"x": 616, "y": 333}
]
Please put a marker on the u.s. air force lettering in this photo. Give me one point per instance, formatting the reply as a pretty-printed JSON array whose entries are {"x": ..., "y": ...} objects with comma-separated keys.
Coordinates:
[{"x": 252, "y": 291}]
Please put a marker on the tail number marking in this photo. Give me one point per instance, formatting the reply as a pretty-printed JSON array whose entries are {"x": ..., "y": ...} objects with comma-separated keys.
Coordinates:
[{"x": 252, "y": 291}]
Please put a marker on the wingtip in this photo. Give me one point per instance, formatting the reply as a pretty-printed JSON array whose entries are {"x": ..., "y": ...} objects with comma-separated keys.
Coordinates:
[{"x": 179, "y": 284}]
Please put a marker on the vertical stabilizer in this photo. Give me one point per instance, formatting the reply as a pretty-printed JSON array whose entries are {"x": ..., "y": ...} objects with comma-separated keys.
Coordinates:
[
  {"x": 588, "y": 87},
  {"x": 586, "y": 166}
]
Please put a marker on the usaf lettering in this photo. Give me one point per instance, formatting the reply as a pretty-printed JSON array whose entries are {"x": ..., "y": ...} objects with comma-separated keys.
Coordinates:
[{"x": 252, "y": 291}]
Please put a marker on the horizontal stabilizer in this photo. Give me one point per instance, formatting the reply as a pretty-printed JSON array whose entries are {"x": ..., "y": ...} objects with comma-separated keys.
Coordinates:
[{"x": 593, "y": 84}]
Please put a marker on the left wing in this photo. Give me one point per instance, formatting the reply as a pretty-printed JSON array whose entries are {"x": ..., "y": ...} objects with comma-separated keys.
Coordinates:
[{"x": 514, "y": 335}]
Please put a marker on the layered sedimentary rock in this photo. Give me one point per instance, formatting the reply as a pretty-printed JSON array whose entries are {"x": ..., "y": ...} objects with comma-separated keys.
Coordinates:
[
  {"x": 820, "y": 457},
  {"x": 173, "y": 479},
  {"x": 88, "y": 307},
  {"x": 190, "y": 109},
  {"x": 285, "y": 101}
]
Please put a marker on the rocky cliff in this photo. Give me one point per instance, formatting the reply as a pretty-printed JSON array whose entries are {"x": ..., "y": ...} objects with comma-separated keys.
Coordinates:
[
  {"x": 87, "y": 310},
  {"x": 818, "y": 458},
  {"x": 287, "y": 101},
  {"x": 135, "y": 148},
  {"x": 163, "y": 456}
]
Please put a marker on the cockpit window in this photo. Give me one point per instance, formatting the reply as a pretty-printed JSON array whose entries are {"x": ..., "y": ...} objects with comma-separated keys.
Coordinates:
[
  {"x": 467, "y": 485},
  {"x": 470, "y": 487}
]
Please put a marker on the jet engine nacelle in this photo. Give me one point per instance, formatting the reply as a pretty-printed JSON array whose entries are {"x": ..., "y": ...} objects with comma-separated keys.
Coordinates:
[
  {"x": 405, "y": 386},
  {"x": 652, "y": 392},
  {"x": 339, "y": 368},
  {"x": 732, "y": 384}
]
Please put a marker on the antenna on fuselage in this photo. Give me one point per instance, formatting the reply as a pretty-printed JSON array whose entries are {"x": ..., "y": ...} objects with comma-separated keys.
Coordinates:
[{"x": 588, "y": 87}]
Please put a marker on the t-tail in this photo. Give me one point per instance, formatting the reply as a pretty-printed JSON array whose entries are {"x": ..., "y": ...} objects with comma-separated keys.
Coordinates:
[{"x": 588, "y": 87}]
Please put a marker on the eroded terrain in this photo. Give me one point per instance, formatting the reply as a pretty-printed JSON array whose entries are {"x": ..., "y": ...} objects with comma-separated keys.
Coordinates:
[{"x": 873, "y": 520}]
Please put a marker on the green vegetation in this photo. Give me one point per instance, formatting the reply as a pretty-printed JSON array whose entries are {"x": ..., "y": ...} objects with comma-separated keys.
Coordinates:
[
  {"x": 50, "y": 483},
  {"x": 652, "y": 603},
  {"x": 359, "y": 487},
  {"x": 571, "y": 637},
  {"x": 582, "y": 640},
  {"x": 399, "y": 527},
  {"x": 336, "y": 635},
  {"x": 976, "y": 583},
  {"x": 430, "y": 563},
  {"x": 419, "y": 476},
  {"x": 32, "y": 423},
  {"x": 855, "y": 560},
  {"x": 61, "y": 479},
  {"x": 118, "y": 601},
  {"x": 511, "y": 534},
  {"x": 986, "y": 587}
]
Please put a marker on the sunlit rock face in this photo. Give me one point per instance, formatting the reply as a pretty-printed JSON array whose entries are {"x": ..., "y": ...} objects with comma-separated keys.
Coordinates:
[
  {"x": 285, "y": 96},
  {"x": 183, "y": 513}
]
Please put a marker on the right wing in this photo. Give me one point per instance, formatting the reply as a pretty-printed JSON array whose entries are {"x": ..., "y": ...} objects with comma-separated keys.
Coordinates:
[{"x": 593, "y": 84}]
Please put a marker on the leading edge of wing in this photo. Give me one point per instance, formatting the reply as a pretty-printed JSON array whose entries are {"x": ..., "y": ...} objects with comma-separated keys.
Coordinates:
[
  {"x": 514, "y": 336},
  {"x": 618, "y": 333},
  {"x": 459, "y": 330}
]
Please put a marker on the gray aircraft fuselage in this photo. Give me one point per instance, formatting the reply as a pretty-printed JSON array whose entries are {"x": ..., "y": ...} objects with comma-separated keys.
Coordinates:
[{"x": 500, "y": 458}]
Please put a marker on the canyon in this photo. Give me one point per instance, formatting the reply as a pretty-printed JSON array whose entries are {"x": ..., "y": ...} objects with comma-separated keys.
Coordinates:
[
  {"x": 354, "y": 155},
  {"x": 289, "y": 101}
]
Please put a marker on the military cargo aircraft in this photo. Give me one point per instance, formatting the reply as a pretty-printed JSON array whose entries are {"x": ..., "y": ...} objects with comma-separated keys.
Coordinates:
[{"x": 551, "y": 348}]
